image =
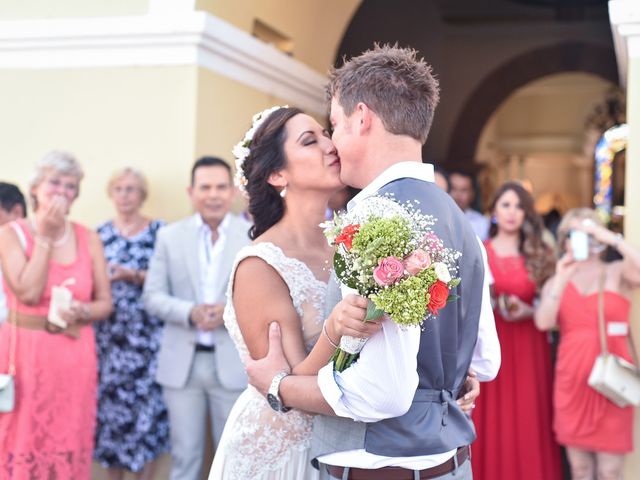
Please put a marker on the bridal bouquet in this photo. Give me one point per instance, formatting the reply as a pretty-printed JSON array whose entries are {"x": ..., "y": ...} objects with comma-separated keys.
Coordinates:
[{"x": 388, "y": 253}]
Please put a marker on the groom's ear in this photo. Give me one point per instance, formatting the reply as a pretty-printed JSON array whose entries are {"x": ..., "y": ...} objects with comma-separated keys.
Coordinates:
[
  {"x": 363, "y": 117},
  {"x": 276, "y": 179}
]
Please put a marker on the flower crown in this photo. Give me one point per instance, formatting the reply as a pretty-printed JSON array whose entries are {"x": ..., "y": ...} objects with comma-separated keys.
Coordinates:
[{"x": 241, "y": 151}]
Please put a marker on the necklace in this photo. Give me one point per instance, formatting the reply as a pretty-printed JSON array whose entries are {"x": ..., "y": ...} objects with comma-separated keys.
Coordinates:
[
  {"x": 65, "y": 235},
  {"x": 134, "y": 227},
  {"x": 62, "y": 240}
]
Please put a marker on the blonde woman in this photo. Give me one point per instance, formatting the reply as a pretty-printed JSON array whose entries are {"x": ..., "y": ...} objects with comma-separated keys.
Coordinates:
[
  {"x": 133, "y": 426},
  {"x": 596, "y": 432},
  {"x": 49, "y": 433}
]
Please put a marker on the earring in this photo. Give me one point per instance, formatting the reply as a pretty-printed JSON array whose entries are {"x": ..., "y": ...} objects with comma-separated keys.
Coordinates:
[{"x": 283, "y": 192}]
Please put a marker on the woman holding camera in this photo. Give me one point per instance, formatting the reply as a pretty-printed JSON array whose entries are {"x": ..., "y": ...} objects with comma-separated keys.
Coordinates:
[
  {"x": 596, "y": 432},
  {"x": 513, "y": 414}
]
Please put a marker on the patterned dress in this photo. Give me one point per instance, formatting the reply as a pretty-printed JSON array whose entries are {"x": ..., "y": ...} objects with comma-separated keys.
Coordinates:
[
  {"x": 133, "y": 425},
  {"x": 49, "y": 434}
]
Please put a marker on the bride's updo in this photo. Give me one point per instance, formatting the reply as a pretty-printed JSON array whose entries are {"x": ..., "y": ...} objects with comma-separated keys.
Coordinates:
[{"x": 266, "y": 156}]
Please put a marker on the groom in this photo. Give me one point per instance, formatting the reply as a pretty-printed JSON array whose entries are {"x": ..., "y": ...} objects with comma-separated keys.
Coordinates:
[{"x": 402, "y": 391}]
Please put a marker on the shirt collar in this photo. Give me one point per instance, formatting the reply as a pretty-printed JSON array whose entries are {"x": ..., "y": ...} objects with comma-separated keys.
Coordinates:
[
  {"x": 419, "y": 171},
  {"x": 222, "y": 227}
]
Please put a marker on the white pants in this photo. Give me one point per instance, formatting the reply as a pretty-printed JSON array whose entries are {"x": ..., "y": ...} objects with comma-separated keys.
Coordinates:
[{"x": 188, "y": 407}]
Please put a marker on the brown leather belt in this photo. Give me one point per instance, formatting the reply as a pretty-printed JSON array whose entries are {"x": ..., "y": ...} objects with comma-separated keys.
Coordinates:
[
  {"x": 39, "y": 322},
  {"x": 398, "y": 473}
]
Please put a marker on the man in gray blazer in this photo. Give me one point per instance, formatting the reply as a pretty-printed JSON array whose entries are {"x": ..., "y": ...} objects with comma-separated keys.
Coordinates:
[{"x": 198, "y": 366}]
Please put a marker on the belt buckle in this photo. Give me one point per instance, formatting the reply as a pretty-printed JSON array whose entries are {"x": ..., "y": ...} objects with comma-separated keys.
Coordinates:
[{"x": 51, "y": 328}]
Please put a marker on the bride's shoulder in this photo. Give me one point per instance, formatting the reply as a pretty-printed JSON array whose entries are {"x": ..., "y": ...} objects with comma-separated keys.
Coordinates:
[
  {"x": 266, "y": 250},
  {"x": 258, "y": 266},
  {"x": 259, "y": 255}
]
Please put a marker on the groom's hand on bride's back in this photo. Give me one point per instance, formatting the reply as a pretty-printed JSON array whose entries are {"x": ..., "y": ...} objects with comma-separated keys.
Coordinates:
[
  {"x": 261, "y": 372},
  {"x": 348, "y": 318}
]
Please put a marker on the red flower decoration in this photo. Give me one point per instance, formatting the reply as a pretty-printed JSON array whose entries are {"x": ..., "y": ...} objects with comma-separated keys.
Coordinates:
[
  {"x": 347, "y": 234},
  {"x": 438, "y": 294}
]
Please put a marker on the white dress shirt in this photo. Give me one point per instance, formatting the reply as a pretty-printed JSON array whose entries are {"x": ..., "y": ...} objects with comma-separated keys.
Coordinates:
[
  {"x": 479, "y": 223},
  {"x": 209, "y": 255},
  {"x": 383, "y": 382}
]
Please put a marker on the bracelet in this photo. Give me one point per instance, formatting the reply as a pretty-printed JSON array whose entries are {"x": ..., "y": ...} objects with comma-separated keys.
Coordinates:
[
  {"x": 616, "y": 242},
  {"x": 324, "y": 331},
  {"x": 42, "y": 242},
  {"x": 85, "y": 313}
]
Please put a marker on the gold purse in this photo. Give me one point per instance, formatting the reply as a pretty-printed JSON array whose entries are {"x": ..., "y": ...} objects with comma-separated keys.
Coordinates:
[{"x": 611, "y": 375}]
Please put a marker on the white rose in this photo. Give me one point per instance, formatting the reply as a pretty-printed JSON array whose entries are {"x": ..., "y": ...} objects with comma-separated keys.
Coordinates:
[
  {"x": 240, "y": 151},
  {"x": 442, "y": 272}
]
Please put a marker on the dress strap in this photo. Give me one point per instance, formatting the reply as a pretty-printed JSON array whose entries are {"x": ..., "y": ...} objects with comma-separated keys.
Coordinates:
[{"x": 22, "y": 238}]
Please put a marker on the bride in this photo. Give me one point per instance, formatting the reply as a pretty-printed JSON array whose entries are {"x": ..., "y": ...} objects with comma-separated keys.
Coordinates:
[{"x": 289, "y": 168}]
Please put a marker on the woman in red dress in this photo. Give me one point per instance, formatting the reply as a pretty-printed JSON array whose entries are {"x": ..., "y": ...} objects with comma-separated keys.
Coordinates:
[
  {"x": 513, "y": 413},
  {"x": 596, "y": 432}
]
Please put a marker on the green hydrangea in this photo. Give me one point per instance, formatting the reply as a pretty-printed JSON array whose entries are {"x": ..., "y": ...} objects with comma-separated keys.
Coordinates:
[
  {"x": 406, "y": 302},
  {"x": 380, "y": 238}
]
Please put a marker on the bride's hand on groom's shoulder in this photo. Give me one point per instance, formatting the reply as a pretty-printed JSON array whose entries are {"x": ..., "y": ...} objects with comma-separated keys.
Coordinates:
[{"x": 348, "y": 318}]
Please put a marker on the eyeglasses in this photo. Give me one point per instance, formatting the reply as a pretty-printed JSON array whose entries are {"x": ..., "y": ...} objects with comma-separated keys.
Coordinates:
[
  {"x": 126, "y": 190},
  {"x": 55, "y": 183}
]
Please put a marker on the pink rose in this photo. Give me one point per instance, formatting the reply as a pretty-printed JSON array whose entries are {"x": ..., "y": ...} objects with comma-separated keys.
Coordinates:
[
  {"x": 388, "y": 271},
  {"x": 417, "y": 261}
]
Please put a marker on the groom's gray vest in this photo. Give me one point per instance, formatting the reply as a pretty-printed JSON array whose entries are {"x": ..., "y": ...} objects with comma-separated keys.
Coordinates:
[{"x": 434, "y": 422}]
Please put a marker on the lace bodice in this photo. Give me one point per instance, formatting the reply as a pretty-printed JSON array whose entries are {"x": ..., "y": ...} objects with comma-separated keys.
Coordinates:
[
  {"x": 258, "y": 439},
  {"x": 307, "y": 293}
]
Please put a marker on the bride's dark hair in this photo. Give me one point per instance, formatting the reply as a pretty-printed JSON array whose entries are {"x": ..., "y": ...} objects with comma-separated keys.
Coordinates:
[{"x": 266, "y": 156}]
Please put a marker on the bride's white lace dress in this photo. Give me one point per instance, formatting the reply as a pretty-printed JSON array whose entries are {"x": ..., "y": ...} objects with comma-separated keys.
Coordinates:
[{"x": 257, "y": 442}]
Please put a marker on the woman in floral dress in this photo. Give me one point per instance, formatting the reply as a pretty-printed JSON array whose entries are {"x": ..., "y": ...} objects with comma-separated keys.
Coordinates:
[{"x": 133, "y": 426}]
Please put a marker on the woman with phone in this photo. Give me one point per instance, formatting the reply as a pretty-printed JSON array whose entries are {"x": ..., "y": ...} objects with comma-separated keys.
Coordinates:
[
  {"x": 596, "y": 432},
  {"x": 513, "y": 414},
  {"x": 52, "y": 268}
]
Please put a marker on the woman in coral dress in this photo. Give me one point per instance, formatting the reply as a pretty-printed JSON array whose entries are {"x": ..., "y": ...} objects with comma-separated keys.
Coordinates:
[
  {"x": 596, "y": 432},
  {"x": 513, "y": 413},
  {"x": 49, "y": 433}
]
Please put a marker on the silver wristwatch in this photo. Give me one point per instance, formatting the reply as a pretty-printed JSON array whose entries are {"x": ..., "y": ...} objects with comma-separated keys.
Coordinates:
[{"x": 273, "y": 396}]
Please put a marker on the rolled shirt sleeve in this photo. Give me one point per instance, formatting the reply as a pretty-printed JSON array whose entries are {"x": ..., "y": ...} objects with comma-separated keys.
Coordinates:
[{"x": 382, "y": 383}]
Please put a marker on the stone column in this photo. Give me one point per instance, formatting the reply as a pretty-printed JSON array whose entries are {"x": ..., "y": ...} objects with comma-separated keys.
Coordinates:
[{"x": 625, "y": 23}]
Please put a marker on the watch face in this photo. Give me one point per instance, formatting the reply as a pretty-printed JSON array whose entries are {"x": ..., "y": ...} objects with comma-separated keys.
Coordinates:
[{"x": 274, "y": 402}]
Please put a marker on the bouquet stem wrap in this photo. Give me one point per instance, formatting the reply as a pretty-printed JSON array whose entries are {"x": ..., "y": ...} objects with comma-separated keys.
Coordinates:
[{"x": 350, "y": 347}]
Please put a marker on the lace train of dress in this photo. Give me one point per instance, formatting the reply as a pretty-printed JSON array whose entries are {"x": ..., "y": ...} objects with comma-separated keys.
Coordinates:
[{"x": 257, "y": 442}]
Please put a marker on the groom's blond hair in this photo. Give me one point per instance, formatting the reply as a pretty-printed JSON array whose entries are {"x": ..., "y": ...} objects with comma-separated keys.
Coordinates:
[{"x": 393, "y": 82}]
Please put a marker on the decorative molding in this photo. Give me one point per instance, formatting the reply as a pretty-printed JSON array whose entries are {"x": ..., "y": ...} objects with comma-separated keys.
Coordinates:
[
  {"x": 624, "y": 16},
  {"x": 186, "y": 38},
  {"x": 522, "y": 145}
]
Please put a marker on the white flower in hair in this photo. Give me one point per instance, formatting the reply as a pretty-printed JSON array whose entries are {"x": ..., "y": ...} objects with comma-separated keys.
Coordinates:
[{"x": 241, "y": 151}]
